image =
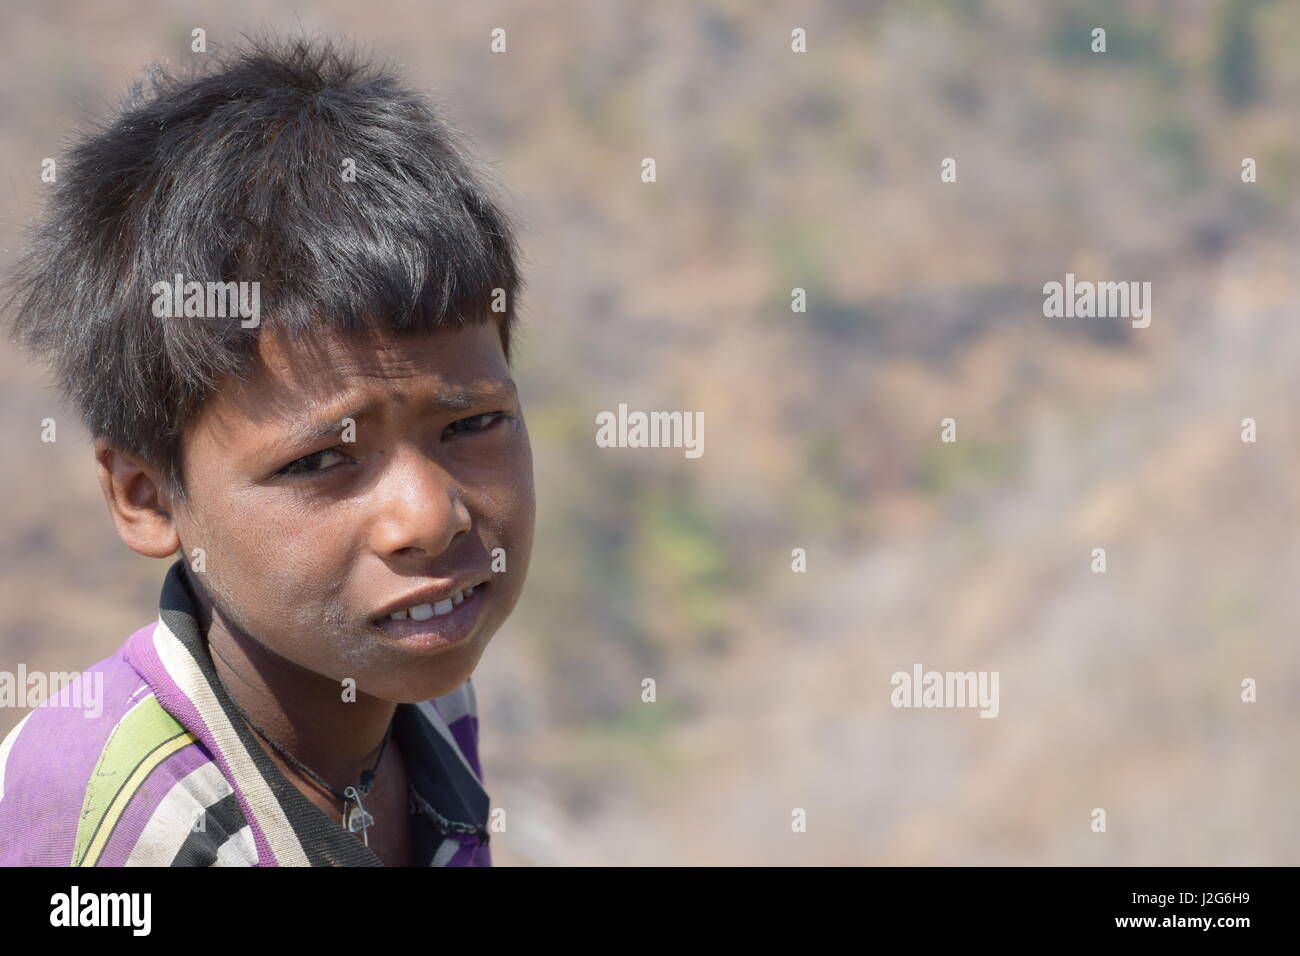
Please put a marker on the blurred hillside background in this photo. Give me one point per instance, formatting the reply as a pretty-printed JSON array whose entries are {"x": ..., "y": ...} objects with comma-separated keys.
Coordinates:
[{"x": 821, "y": 170}]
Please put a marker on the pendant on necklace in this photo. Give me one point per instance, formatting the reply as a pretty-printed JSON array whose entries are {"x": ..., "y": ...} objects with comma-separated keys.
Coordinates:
[{"x": 357, "y": 819}]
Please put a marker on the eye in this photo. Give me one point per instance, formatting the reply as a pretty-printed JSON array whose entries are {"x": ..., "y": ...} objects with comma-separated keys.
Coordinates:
[
  {"x": 308, "y": 464},
  {"x": 476, "y": 423}
]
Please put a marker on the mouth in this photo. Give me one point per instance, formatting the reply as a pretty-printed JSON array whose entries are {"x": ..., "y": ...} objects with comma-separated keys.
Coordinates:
[
  {"x": 435, "y": 624},
  {"x": 422, "y": 612}
]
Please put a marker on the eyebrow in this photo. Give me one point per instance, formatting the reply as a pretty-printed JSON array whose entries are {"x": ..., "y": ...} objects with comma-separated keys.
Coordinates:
[{"x": 302, "y": 432}]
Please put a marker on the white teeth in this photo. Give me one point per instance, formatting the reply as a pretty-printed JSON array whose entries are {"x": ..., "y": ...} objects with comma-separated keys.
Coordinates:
[{"x": 423, "y": 612}]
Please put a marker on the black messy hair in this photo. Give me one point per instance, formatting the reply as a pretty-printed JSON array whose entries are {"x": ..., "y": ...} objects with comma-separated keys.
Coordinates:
[{"x": 236, "y": 173}]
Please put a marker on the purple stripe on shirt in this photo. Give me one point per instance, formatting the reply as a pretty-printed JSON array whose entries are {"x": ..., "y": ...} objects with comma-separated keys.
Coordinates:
[
  {"x": 465, "y": 730},
  {"x": 471, "y": 852}
]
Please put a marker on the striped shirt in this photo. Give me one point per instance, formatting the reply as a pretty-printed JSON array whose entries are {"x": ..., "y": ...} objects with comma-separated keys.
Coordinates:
[{"x": 167, "y": 774}]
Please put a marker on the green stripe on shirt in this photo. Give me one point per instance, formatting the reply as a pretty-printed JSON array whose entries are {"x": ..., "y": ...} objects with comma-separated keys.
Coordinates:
[{"x": 144, "y": 737}]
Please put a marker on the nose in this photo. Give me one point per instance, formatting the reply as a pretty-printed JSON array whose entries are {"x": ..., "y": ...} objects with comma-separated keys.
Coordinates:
[{"x": 419, "y": 507}]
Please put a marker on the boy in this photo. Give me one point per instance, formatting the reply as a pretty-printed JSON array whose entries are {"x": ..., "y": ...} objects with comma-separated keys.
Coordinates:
[{"x": 338, "y": 455}]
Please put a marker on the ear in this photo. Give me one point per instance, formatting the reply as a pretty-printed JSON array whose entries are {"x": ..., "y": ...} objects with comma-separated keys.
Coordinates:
[{"x": 137, "y": 501}]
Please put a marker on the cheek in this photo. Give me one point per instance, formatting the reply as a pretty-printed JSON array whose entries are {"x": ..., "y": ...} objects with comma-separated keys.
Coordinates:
[
  {"x": 502, "y": 503},
  {"x": 277, "y": 563},
  {"x": 509, "y": 508}
]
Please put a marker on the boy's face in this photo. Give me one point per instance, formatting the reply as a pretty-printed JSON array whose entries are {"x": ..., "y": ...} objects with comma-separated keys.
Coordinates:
[{"x": 438, "y": 475}]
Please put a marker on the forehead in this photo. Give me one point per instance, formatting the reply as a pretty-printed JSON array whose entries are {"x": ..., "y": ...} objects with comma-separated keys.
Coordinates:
[
  {"x": 315, "y": 361},
  {"x": 305, "y": 377}
]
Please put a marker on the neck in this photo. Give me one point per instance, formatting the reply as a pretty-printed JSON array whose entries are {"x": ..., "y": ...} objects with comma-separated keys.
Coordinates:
[{"x": 302, "y": 711}]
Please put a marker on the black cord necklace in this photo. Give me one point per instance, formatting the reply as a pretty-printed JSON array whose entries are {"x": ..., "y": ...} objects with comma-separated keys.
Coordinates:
[{"x": 355, "y": 819}]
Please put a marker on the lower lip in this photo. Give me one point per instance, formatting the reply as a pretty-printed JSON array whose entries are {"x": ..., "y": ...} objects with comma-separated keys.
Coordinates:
[{"x": 438, "y": 631}]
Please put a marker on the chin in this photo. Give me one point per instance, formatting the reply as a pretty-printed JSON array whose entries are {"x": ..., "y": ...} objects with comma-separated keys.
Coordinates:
[{"x": 428, "y": 679}]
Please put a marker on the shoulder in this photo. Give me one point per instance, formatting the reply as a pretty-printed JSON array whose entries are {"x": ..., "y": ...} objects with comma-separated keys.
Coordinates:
[{"x": 100, "y": 774}]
